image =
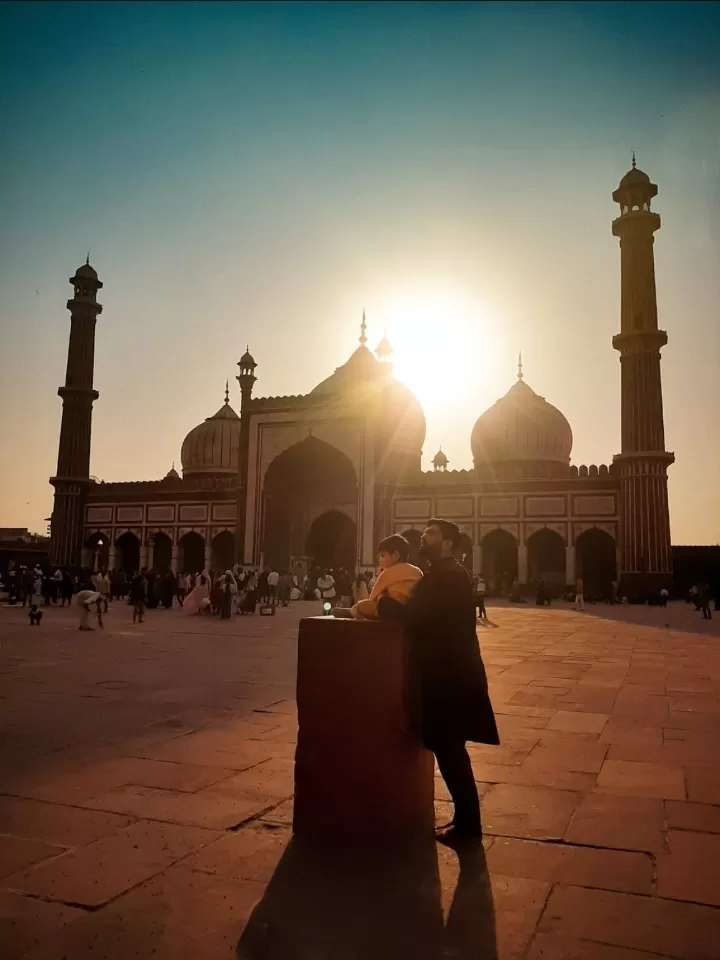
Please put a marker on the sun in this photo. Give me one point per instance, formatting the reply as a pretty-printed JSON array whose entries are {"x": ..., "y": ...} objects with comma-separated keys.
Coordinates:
[{"x": 445, "y": 345}]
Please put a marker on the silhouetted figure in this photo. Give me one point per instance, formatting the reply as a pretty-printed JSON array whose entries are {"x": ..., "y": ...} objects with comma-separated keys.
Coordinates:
[{"x": 440, "y": 620}]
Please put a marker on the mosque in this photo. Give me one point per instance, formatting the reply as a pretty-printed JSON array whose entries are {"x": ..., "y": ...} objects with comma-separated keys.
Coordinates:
[{"x": 321, "y": 478}]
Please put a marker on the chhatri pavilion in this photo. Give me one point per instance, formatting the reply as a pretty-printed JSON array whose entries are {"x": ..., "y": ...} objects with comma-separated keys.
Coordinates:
[{"x": 321, "y": 478}]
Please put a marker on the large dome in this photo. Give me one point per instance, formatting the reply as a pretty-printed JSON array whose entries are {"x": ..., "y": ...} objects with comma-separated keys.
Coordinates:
[
  {"x": 213, "y": 447},
  {"x": 521, "y": 433},
  {"x": 363, "y": 380}
]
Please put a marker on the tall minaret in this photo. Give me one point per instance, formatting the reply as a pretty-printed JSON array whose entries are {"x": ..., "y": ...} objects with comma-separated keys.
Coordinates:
[
  {"x": 646, "y": 560},
  {"x": 78, "y": 395},
  {"x": 246, "y": 378}
]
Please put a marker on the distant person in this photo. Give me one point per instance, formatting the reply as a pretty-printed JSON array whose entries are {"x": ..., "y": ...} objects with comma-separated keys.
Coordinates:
[
  {"x": 541, "y": 595},
  {"x": 102, "y": 585},
  {"x": 480, "y": 588},
  {"x": 664, "y": 597},
  {"x": 397, "y": 578},
  {"x": 249, "y": 601},
  {"x": 57, "y": 586},
  {"x": 67, "y": 589},
  {"x": 199, "y": 597},
  {"x": 579, "y": 595},
  {"x": 284, "y": 588},
  {"x": 181, "y": 588},
  {"x": 84, "y": 602},
  {"x": 326, "y": 587},
  {"x": 138, "y": 597},
  {"x": 35, "y": 614},
  {"x": 263, "y": 585},
  {"x": 273, "y": 581},
  {"x": 705, "y": 602},
  {"x": 440, "y": 622}
]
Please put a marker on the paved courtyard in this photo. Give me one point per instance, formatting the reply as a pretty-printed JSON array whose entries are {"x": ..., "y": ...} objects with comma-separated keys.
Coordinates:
[{"x": 146, "y": 796}]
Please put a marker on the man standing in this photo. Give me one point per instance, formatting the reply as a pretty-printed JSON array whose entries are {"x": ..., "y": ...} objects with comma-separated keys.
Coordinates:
[
  {"x": 480, "y": 589},
  {"x": 440, "y": 622},
  {"x": 579, "y": 595},
  {"x": 272, "y": 586}
]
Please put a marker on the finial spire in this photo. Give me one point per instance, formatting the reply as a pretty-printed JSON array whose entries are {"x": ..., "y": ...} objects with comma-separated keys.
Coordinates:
[
  {"x": 227, "y": 391},
  {"x": 363, "y": 328},
  {"x": 520, "y": 373},
  {"x": 633, "y": 156},
  {"x": 87, "y": 259}
]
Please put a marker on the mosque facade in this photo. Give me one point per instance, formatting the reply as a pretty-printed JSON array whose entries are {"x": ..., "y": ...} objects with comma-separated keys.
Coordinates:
[{"x": 319, "y": 479}]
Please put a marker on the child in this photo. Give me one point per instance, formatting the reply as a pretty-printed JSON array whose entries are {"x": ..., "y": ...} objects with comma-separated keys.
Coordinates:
[
  {"x": 35, "y": 615},
  {"x": 397, "y": 578}
]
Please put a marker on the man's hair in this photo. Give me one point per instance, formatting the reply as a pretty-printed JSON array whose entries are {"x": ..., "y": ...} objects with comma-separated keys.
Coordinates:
[
  {"x": 449, "y": 530},
  {"x": 395, "y": 544}
]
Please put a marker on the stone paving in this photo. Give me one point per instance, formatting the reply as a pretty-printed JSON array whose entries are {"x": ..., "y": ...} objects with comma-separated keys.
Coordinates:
[{"x": 146, "y": 796}]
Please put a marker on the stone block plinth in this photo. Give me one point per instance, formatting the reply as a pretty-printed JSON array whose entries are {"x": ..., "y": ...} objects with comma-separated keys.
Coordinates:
[{"x": 362, "y": 775}]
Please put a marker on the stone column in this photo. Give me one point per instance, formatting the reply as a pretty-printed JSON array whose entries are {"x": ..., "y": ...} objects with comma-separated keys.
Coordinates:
[
  {"x": 174, "y": 558},
  {"x": 208, "y": 552},
  {"x": 522, "y": 563},
  {"x": 144, "y": 550},
  {"x": 477, "y": 559},
  {"x": 111, "y": 556},
  {"x": 569, "y": 564}
]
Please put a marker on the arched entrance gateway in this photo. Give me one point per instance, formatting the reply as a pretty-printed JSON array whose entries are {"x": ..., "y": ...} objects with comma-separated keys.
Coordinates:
[
  {"x": 596, "y": 562},
  {"x": 191, "y": 555},
  {"x": 546, "y": 557},
  {"x": 127, "y": 553},
  {"x": 310, "y": 507},
  {"x": 331, "y": 541},
  {"x": 222, "y": 551},
  {"x": 161, "y": 551},
  {"x": 499, "y": 561}
]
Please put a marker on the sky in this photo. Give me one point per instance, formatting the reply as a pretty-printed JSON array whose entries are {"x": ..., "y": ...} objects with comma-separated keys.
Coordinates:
[{"x": 261, "y": 173}]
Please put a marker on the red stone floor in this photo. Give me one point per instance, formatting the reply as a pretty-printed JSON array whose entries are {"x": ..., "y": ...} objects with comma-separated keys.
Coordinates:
[{"x": 146, "y": 795}]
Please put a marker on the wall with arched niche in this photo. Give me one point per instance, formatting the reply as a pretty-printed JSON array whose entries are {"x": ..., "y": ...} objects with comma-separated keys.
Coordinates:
[{"x": 272, "y": 434}]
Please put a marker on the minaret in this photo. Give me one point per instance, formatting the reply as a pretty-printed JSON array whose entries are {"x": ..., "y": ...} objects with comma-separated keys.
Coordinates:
[
  {"x": 646, "y": 560},
  {"x": 78, "y": 395},
  {"x": 246, "y": 378}
]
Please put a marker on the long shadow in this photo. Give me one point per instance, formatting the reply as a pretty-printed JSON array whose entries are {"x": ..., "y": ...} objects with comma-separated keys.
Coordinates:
[{"x": 363, "y": 906}]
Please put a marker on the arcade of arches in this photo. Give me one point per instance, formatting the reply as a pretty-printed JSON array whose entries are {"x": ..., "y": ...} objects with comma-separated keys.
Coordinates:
[
  {"x": 309, "y": 504},
  {"x": 546, "y": 557}
]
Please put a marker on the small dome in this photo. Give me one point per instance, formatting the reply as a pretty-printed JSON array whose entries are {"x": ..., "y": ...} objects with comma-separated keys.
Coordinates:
[
  {"x": 247, "y": 359},
  {"x": 172, "y": 474},
  {"x": 213, "y": 447},
  {"x": 440, "y": 461},
  {"x": 521, "y": 427},
  {"x": 384, "y": 349},
  {"x": 633, "y": 177},
  {"x": 86, "y": 271}
]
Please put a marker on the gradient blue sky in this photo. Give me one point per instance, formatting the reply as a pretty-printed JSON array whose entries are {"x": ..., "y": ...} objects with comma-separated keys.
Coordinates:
[{"x": 261, "y": 172}]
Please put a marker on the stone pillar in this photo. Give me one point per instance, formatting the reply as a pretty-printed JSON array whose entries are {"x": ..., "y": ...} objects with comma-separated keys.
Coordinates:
[
  {"x": 174, "y": 558},
  {"x": 362, "y": 775},
  {"x": 144, "y": 552},
  {"x": 569, "y": 564},
  {"x": 208, "y": 554},
  {"x": 477, "y": 558},
  {"x": 522, "y": 563},
  {"x": 111, "y": 556}
]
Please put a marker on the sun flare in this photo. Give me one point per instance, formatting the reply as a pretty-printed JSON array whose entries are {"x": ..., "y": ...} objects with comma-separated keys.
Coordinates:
[{"x": 446, "y": 347}]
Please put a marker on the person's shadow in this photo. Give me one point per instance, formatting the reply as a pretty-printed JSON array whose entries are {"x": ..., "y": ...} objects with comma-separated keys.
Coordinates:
[{"x": 371, "y": 906}]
